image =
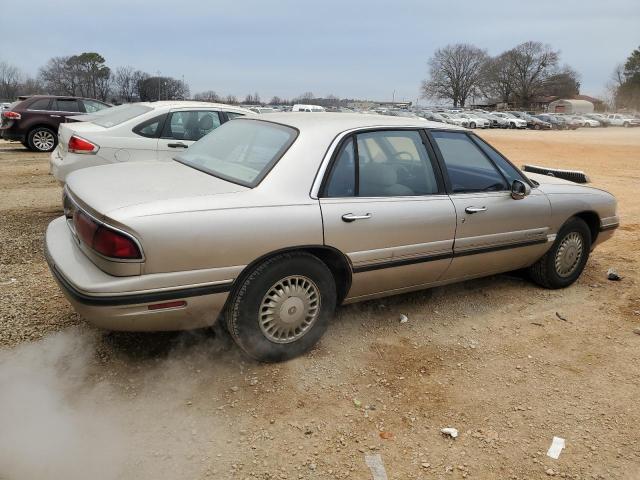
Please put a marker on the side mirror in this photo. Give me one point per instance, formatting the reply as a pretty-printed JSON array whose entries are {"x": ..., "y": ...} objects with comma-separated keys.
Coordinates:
[{"x": 519, "y": 190}]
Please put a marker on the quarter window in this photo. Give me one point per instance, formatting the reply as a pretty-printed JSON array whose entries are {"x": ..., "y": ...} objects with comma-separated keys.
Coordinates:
[
  {"x": 469, "y": 169},
  {"x": 389, "y": 163},
  {"x": 63, "y": 105},
  {"x": 151, "y": 128},
  {"x": 233, "y": 115},
  {"x": 190, "y": 125},
  {"x": 91, "y": 106}
]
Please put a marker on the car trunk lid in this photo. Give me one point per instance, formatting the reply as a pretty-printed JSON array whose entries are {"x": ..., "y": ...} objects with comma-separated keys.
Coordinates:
[{"x": 107, "y": 188}]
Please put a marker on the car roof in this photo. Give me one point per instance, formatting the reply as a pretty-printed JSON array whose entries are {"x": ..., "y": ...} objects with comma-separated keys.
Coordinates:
[
  {"x": 190, "y": 103},
  {"x": 340, "y": 122}
]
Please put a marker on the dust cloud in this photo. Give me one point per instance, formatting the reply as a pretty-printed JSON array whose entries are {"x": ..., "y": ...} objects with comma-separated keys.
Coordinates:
[{"x": 65, "y": 413}]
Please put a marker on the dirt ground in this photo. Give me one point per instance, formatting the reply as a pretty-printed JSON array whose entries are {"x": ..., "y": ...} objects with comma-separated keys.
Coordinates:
[{"x": 490, "y": 357}]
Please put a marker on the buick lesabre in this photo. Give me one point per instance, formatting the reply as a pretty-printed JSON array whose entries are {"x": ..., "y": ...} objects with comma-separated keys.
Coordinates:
[{"x": 267, "y": 224}]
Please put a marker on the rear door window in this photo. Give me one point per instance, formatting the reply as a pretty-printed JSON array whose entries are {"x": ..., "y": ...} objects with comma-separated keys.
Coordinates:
[
  {"x": 190, "y": 125},
  {"x": 389, "y": 163},
  {"x": 66, "y": 105}
]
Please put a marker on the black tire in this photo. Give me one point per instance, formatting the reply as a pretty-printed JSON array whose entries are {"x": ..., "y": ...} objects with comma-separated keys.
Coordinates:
[
  {"x": 545, "y": 271},
  {"x": 625, "y": 124},
  {"x": 472, "y": 125},
  {"x": 512, "y": 125},
  {"x": 42, "y": 139},
  {"x": 244, "y": 307}
]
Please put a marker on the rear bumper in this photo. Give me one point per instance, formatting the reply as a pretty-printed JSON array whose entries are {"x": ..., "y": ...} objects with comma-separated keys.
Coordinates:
[
  {"x": 95, "y": 296},
  {"x": 8, "y": 134}
]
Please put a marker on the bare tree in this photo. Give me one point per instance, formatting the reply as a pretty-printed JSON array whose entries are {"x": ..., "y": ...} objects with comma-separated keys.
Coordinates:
[
  {"x": 564, "y": 83},
  {"x": 497, "y": 78},
  {"x": 10, "y": 81},
  {"x": 57, "y": 77},
  {"x": 207, "y": 96},
  {"x": 275, "y": 101},
  {"x": 231, "y": 100},
  {"x": 532, "y": 64},
  {"x": 162, "y": 88},
  {"x": 455, "y": 73},
  {"x": 125, "y": 83},
  {"x": 83, "y": 75}
]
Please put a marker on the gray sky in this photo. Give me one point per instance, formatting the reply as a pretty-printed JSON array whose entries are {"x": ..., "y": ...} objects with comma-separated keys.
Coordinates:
[{"x": 349, "y": 48}]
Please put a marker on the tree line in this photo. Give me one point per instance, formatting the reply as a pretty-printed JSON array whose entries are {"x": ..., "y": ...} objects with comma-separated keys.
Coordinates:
[
  {"x": 624, "y": 87},
  {"x": 87, "y": 75},
  {"x": 462, "y": 72}
]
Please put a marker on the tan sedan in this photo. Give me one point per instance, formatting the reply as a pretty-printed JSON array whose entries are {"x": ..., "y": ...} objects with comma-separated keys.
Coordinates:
[{"x": 269, "y": 223}]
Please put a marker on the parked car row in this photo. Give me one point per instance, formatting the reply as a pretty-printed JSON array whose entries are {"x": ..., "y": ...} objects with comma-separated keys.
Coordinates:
[{"x": 522, "y": 120}]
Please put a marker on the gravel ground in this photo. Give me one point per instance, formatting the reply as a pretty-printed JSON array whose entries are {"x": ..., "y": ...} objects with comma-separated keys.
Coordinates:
[{"x": 490, "y": 357}]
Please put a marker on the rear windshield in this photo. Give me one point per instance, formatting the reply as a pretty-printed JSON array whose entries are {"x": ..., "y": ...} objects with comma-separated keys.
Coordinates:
[
  {"x": 240, "y": 151},
  {"x": 117, "y": 115}
]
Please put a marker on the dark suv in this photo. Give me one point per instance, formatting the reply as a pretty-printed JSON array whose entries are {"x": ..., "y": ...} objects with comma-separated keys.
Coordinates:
[{"x": 34, "y": 120}]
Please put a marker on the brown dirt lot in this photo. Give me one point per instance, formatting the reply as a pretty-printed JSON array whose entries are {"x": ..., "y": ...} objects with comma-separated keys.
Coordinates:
[{"x": 489, "y": 357}]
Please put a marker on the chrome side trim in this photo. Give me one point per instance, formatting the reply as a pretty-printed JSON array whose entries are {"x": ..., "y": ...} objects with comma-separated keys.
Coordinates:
[{"x": 609, "y": 223}]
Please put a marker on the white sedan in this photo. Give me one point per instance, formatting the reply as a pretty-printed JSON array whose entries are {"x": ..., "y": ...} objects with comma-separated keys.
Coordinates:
[
  {"x": 475, "y": 121},
  {"x": 454, "y": 119},
  {"x": 136, "y": 132},
  {"x": 514, "y": 122}
]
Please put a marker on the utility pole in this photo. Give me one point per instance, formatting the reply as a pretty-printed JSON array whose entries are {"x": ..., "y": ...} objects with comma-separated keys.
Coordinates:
[{"x": 158, "y": 85}]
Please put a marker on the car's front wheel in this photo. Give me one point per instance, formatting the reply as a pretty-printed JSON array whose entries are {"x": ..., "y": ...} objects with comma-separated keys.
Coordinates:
[
  {"x": 564, "y": 262},
  {"x": 42, "y": 139},
  {"x": 282, "y": 307}
]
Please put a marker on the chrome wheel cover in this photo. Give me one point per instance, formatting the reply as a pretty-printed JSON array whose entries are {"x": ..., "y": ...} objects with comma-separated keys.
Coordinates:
[
  {"x": 289, "y": 309},
  {"x": 43, "y": 140},
  {"x": 569, "y": 254}
]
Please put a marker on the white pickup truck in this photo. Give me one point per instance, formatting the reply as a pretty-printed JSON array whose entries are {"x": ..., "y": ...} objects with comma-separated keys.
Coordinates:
[{"x": 620, "y": 120}]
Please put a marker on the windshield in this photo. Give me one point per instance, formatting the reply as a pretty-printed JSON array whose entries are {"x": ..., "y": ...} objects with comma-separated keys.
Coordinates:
[
  {"x": 117, "y": 115},
  {"x": 240, "y": 151}
]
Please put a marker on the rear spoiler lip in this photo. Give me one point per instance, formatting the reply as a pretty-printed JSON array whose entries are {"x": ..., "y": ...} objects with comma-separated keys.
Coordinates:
[{"x": 575, "y": 176}]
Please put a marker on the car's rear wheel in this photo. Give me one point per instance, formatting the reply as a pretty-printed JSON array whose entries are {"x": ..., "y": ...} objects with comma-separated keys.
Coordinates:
[
  {"x": 564, "y": 262},
  {"x": 625, "y": 124},
  {"x": 472, "y": 125},
  {"x": 282, "y": 308},
  {"x": 42, "y": 139}
]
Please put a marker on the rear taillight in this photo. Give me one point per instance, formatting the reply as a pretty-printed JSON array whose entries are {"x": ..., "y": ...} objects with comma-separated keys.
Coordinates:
[
  {"x": 11, "y": 115},
  {"x": 80, "y": 145},
  {"x": 104, "y": 240},
  {"x": 115, "y": 245}
]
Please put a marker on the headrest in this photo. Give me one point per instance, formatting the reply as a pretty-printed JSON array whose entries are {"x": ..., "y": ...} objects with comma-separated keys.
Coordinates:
[
  {"x": 379, "y": 174},
  {"x": 206, "y": 123}
]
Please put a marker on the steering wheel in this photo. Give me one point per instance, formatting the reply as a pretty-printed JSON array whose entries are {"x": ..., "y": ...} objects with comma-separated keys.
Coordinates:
[{"x": 397, "y": 155}]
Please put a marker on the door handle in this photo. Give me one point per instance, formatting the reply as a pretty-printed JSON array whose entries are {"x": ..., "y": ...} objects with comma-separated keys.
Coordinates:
[
  {"x": 350, "y": 217},
  {"x": 475, "y": 209},
  {"x": 54, "y": 116},
  {"x": 177, "y": 145}
]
